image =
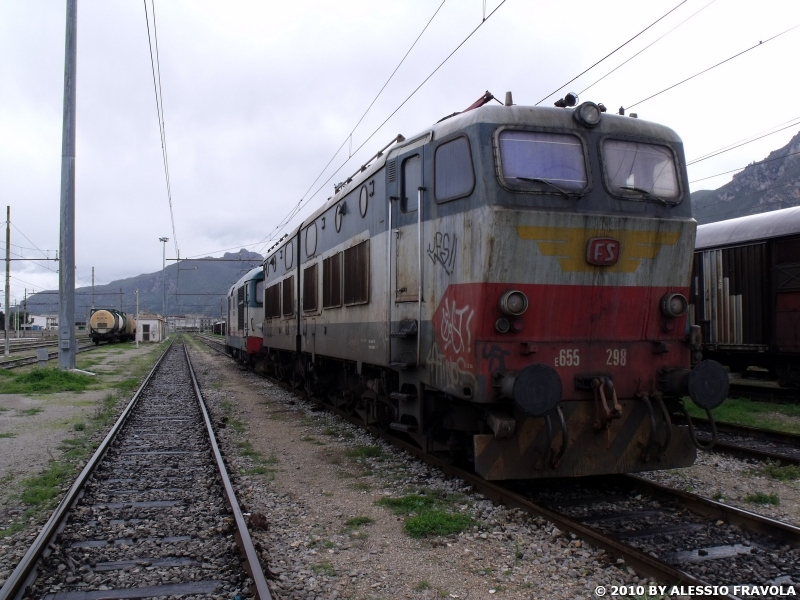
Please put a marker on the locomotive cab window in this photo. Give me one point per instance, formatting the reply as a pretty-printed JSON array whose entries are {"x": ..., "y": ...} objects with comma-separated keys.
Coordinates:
[
  {"x": 640, "y": 171},
  {"x": 259, "y": 299},
  {"x": 412, "y": 181},
  {"x": 542, "y": 162},
  {"x": 453, "y": 173}
]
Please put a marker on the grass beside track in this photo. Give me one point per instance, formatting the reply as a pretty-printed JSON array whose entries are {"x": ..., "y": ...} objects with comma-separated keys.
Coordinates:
[
  {"x": 39, "y": 493},
  {"x": 428, "y": 514},
  {"x": 764, "y": 415},
  {"x": 47, "y": 380}
]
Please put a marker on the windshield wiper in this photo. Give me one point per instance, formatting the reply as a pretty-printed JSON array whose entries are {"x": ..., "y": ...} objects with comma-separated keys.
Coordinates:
[
  {"x": 649, "y": 195},
  {"x": 552, "y": 185}
]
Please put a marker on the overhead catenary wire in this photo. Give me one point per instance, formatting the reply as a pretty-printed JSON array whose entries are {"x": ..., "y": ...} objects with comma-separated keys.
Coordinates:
[
  {"x": 617, "y": 49},
  {"x": 160, "y": 112},
  {"x": 739, "y": 145},
  {"x": 706, "y": 70},
  {"x": 761, "y": 162},
  {"x": 300, "y": 205},
  {"x": 303, "y": 200},
  {"x": 371, "y": 104},
  {"x": 658, "y": 39}
]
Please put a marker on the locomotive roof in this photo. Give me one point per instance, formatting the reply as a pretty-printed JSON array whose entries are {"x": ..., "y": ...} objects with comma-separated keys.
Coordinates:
[
  {"x": 537, "y": 116},
  {"x": 776, "y": 223},
  {"x": 250, "y": 275}
]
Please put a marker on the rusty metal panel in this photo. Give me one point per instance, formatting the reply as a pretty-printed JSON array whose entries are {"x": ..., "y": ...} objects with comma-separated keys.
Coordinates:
[
  {"x": 332, "y": 281},
  {"x": 310, "y": 288},
  {"x": 288, "y": 296},
  {"x": 356, "y": 274}
]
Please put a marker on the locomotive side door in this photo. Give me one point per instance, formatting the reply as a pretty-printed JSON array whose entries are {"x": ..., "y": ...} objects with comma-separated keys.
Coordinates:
[{"x": 406, "y": 276}]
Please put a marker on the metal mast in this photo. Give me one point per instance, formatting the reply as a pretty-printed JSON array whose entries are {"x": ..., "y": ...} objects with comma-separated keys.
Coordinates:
[
  {"x": 8, "y": 277},
  {"x": 66, "y": 271}
]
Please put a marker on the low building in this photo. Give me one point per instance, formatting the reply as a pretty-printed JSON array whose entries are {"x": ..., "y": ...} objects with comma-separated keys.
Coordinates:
[{"x": 150, "y": 328}]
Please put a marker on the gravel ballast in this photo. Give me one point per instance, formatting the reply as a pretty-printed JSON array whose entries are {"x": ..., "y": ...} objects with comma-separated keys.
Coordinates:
[{"x": 314, "y": 486}]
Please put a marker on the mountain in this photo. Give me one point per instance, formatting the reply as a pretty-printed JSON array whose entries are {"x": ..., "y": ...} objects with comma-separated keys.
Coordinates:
[
  {"x": 196, "y": 286},
  {"x": 767, "y": 185}
]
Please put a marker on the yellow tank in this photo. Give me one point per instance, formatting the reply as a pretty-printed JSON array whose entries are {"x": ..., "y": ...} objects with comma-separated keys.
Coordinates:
[{"x": 104, "y": 321}]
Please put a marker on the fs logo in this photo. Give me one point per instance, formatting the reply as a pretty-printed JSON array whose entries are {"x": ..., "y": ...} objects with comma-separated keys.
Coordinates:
[{"x": 603, "y": 252}]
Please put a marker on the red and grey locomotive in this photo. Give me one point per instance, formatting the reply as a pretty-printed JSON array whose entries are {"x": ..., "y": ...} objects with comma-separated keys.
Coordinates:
[{"x": 507, "y": 288}]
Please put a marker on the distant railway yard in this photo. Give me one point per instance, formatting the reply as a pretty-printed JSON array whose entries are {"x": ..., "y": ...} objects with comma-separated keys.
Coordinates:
[{"x": 335, "y": 511}]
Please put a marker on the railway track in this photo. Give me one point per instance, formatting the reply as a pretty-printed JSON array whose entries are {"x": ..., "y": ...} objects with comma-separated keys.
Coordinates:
[
  {"x": 31, "y": 360},
  {"x": 751, "y": 442},
  {"x": 153, "y": 513},
  {"x": 676, "y": 537},
  {"x": 24, "y": 345},
  {"x": 764, "y": 392}
]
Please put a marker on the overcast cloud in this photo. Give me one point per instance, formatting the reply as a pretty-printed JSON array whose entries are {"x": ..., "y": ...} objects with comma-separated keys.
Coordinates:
[{"x": 259, "y": 95}]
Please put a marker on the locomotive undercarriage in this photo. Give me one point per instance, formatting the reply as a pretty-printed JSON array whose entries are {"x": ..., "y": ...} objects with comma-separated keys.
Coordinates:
[{"x": 497, "y": 441}]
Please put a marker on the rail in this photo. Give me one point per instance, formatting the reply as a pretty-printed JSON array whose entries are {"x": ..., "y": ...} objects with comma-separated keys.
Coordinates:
[
  {"x": 25, "y": 572},
  {"x": 243, "y": 535}
]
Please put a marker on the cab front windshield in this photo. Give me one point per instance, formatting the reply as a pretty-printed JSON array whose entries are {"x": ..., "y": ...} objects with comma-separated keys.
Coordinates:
[
  {"x": 637, "y": 170},
  {"x": 531, "y": 158}
]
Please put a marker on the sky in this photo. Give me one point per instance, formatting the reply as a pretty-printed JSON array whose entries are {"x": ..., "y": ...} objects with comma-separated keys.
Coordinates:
[{"x": 258, "y": 97}]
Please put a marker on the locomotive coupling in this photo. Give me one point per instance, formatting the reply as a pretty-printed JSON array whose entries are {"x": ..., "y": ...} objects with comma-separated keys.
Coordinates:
[
  {"x": 536, "y": 390},
  {"x": 706, "y": 384}
]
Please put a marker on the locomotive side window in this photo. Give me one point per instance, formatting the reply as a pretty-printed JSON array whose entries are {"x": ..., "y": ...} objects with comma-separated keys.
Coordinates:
[
  {"x": 538, "y": 161},
  {"x": 356, "y": 274},
  {"x": 272, "y": 301},
  {"x": 288, "y": 296},
  {"x": 635, "y": 169},
  {"x": 412, "y": 181},
  {"x": 310, "y": 288},
  {"x": 453, "y": 173},
  {"x": 332, "y": 281},
  {"x": 259, "y": 293}
]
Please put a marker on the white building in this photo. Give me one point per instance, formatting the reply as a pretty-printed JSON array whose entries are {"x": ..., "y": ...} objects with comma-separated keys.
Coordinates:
[{"x": 151, "y": 328}]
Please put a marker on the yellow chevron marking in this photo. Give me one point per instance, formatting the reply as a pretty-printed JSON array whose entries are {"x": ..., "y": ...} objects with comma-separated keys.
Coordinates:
[{"x": 568, "y": 245}]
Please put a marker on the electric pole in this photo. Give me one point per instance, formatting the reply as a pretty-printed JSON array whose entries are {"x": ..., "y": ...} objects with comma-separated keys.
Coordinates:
[
  {"x": 8, "y": 277},
  {"x": 136, "y": 329},
  {"x": 164, "y": 241},
  {"x": 66, "y": 271}
]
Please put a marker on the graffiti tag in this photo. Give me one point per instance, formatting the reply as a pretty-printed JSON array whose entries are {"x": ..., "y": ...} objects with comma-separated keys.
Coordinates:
[
  {"x": 496, "y": 357},
  {"x": 443, "y": 251},
  {"x": 454, "y": 331},
  {"x": 449, "y": 374}
]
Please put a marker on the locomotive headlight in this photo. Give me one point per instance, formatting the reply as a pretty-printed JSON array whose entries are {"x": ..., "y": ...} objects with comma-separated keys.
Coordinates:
[
  {"x": 513, "y": 303},
  {"x": 587, "y": 114},
  {"x": 674, "y": 305},
  {"x": 502, "y": 325}
]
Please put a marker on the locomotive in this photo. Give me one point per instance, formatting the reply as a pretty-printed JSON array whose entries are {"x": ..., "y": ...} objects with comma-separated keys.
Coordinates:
[
  {"x": 507, "y": 288},
  {"x": 111, "y": 325},
  {"x": 746, "y": 292}
]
